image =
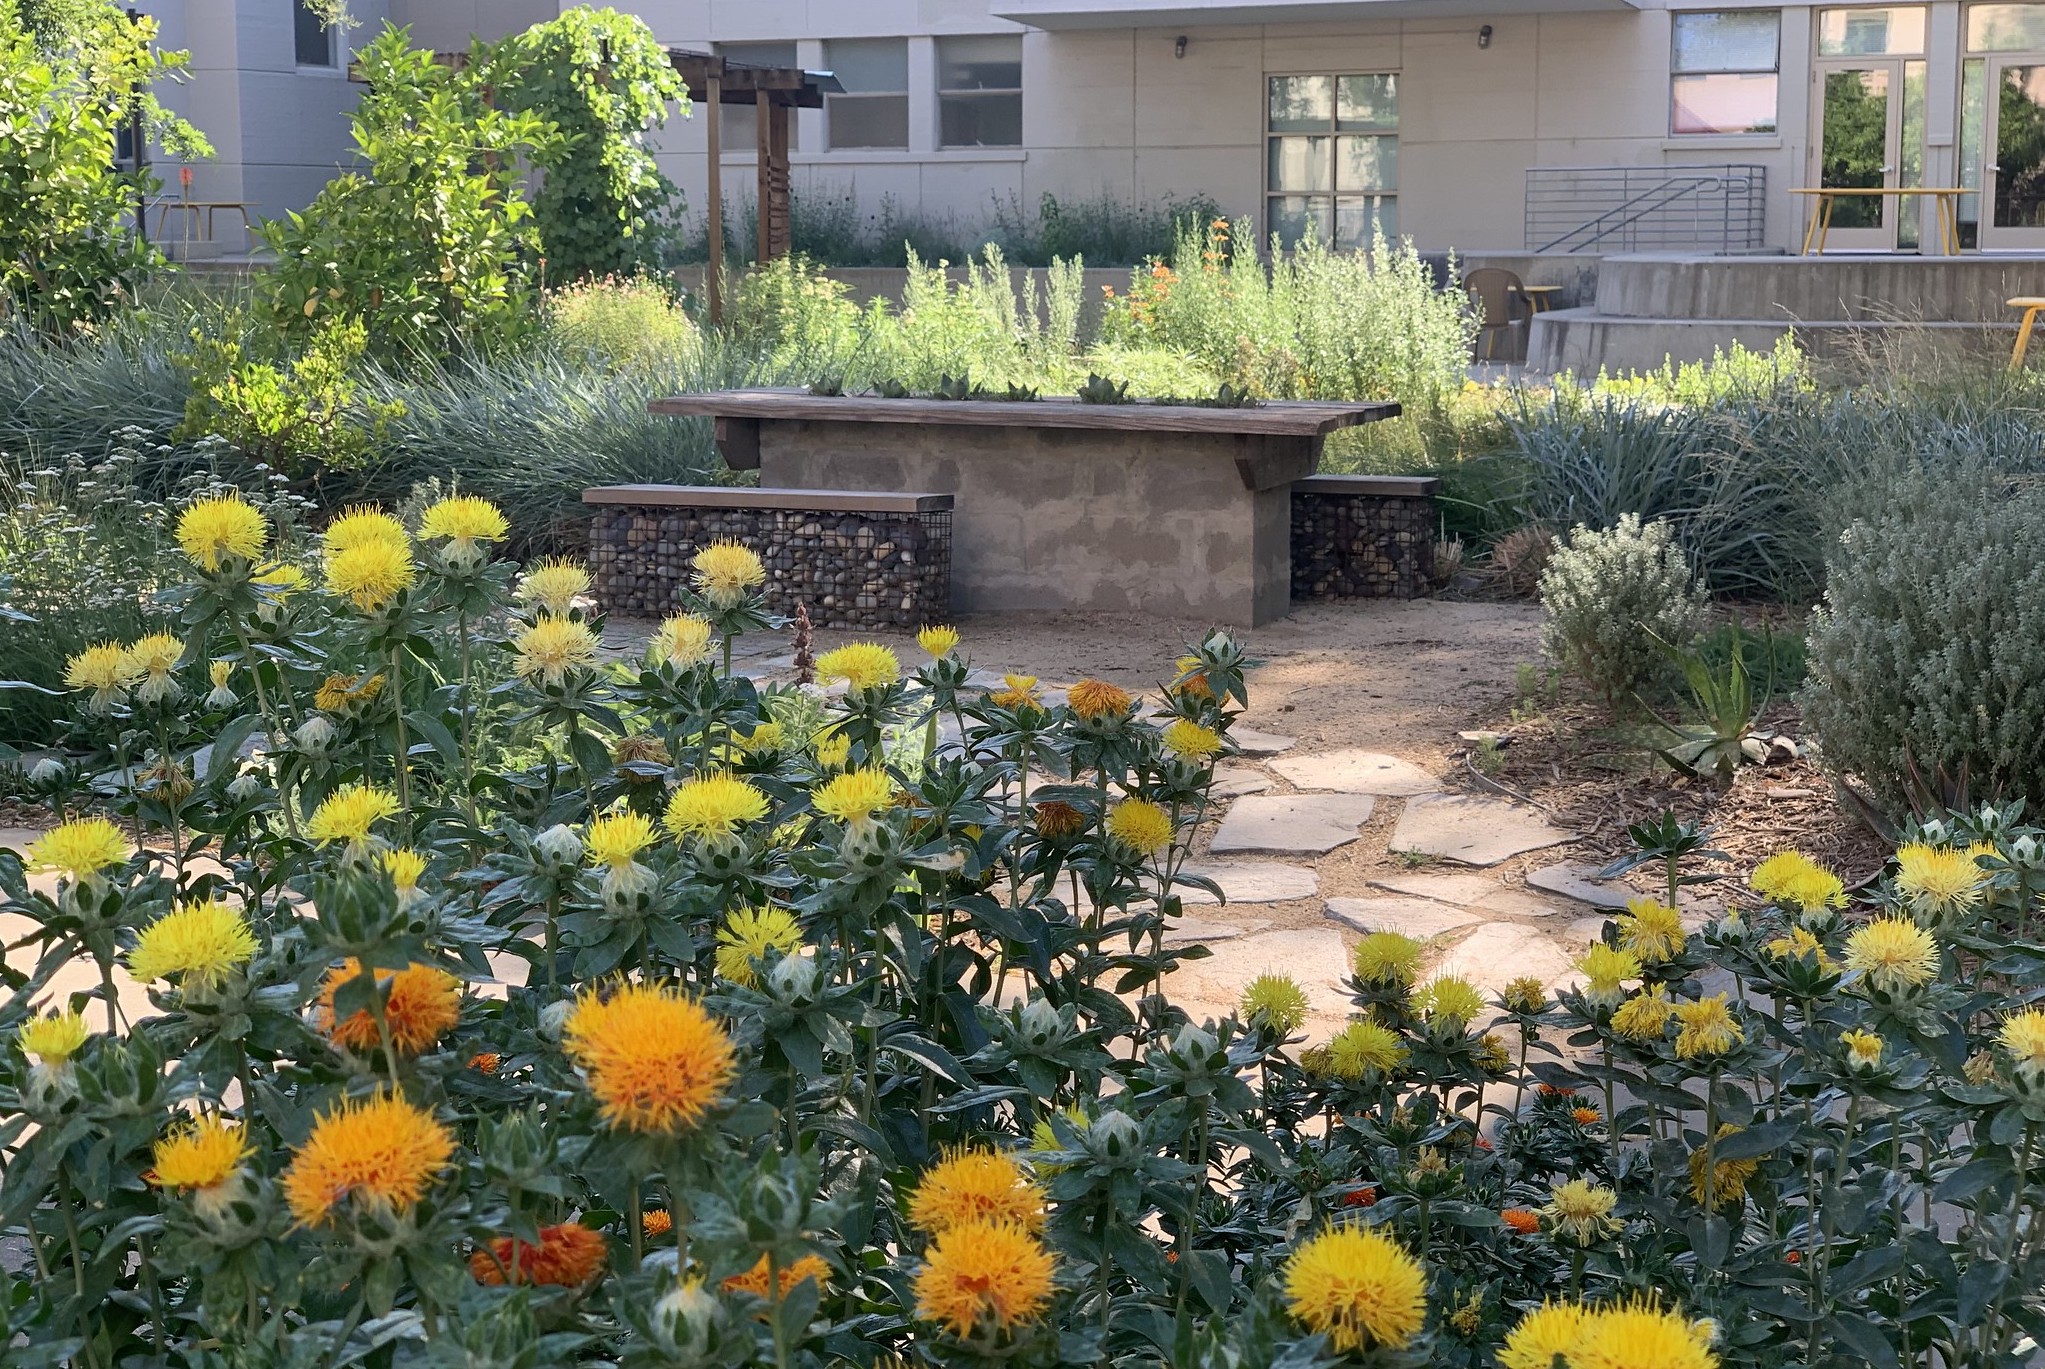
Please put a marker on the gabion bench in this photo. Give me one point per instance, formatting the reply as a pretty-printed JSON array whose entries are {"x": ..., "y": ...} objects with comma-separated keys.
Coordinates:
[
  {"x": 1363, "y": 536},
  {"x": 858, "y": 559}
]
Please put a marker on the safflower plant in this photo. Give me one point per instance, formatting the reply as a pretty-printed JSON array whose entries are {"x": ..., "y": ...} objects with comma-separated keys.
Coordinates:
[{"x": 514, "y": 1006}]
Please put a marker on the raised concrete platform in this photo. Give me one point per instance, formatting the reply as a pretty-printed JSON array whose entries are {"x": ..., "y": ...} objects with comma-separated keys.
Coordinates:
[{"x": 1648, "y": 309}]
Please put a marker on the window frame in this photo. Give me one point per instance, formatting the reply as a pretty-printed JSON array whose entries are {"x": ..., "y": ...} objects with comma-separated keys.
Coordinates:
[
  {"x": 1677, "y": 75},
  {"x": 331, "y": 32},
  {"x": 727, "y": 125},
  {"x": 946, "y": 93},
  {"x": 1380, "y": 202},
  {"x": 832, "y": 101}
]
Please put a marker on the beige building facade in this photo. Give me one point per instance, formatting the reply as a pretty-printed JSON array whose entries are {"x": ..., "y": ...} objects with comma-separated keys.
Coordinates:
[{"x": 1467, "y": 125}]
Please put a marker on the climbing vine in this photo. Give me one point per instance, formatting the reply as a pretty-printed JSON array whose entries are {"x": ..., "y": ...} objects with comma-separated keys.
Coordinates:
[{"x": 601, "y": 78}]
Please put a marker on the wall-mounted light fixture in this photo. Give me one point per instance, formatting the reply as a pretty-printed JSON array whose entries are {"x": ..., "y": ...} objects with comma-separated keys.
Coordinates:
[
  {"x": 1179, "y": 46},
  {"x": 1484, "y": 36}
]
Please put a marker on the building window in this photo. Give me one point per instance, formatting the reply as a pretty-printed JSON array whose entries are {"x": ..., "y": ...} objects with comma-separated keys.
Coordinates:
[
  {"x": 874, "y": 110},
  {"x": 1723, "y": 71},
  {"x": 739, "y": 125},
  {"x": 313, "y": 39},
  {"x": 1332, "y": 158},
  {"x": 979, "y": 91}
]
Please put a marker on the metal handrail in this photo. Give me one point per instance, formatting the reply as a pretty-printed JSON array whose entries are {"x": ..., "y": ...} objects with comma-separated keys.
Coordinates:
[
  {"x": 1668, "y": 191},
  {"x": 1715, "y": 207}
]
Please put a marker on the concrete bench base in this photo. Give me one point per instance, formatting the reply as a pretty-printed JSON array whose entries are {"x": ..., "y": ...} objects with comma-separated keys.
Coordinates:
[{"x": 857, "y": 559}]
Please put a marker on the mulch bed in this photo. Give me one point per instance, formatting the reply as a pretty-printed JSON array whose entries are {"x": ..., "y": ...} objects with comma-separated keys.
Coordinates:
[{"x": 1598, "y": 777}]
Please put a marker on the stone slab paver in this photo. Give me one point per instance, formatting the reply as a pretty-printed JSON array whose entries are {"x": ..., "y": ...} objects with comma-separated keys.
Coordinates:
[
  {"x": 1235, "y": 781},
  {"x": 1580, "y": 882},
  {"x": 1251, "y": 881},
  {"x": 1471, "y": 891},
  {"x": 1316, "y": 957},
  {"x": 1499, "y": 952},
  {"x": 1356, "y": 771},
  {"x": 1475, "y": 831},
  {"x": 1251, "y": 742},
  {"x": 1311, "y": 824},
  {"x": 1416, "y": 917},
  {"x": 1192, "y": 931}
]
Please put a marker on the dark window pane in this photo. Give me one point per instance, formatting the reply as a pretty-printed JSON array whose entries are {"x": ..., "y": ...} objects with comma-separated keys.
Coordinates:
[
  {"x": 982, "y": 62},
  {"x": 991, "y": 120},
  {"x": 1298, "y": 164},
  {"x": 315, "y": 44},
  {"x": 869, "y": 120},
  {"x": 1367, "y": 101},
  {"x": 1357, "y": 219},
  {"x": 1293, "y": 217},
  {"x": 869, "y": 66}
]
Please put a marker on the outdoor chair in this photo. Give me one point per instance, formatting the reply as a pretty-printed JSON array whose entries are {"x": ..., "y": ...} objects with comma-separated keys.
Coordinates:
[{"x": 1502, "y": 297}]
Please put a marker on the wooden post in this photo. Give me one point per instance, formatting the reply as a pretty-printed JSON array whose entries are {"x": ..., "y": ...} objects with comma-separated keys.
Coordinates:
[
  {"x": 763, "y": 194},
  {"x": 713, "y": 270},
  {"x": 775, "y": 210}
]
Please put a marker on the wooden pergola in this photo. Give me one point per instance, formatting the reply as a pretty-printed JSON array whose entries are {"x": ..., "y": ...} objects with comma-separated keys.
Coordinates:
[{"x": 719, "y": 81}]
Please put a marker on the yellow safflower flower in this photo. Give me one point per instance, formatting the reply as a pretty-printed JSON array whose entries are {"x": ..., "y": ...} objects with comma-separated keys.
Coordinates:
[
  {"x": 1645, "y": 1016},
  {"x": 1708, "y": 1028},
  {"x": 464, "y": 520},
  {"x": 151, "y": 663},
  {"x": 682, "y": 641},
  {"x": 211, "y": 530},
  {"x": 1939, "y": 881},
  {"x": 201, "y": 1155},
  {"x": 54, "y": 1037},
  {"x": 79, "y": 849},
  {"x": 1863, "y": 1047},
  {"x": 855, "y": 795},
  {"x": 863, "y": 666},
  {"x": 655, "y": 1061},
  {"x": 381, "y": 1152},
  {"x": 2023, "y": 1035},
  {"x": 371, "y": 574},
  {"x": 975, "y": 1185},
  {"x": 1358, "y": 1287},
  {"x": 1141, "y": 826},
  {"x": 1448, "y": 998},
  {"x": 1365, "y": 1047},
  {"x": 1651, "y": 930},
  {"x": 1582, "y": 1210},
  {"x": 1387, "y": 959},
  {"x": 984, "y": 1272},
  {"x": 1277, "y": 1001},
  {"x": 713, "y": 806},
  {"x": 554, "y": 585},
  {"x": 747, "y": 935},
  {"x": 1552, "y": 1329},
  {"x": 938, "y": 642},
  {"x": 725, "y": 571},
  {"x": 201, "y": 942},
  {"x": 550, "y": 647},
  {"x": 1093, "y": 700},
  {"x": 348, "y": 814},
  {"x": 1892, "y": 954},
  {"x": 1640, "y": 1335},
  {"x": 1192, "y": 741},
  {"x": 1793, "y": 878},
  {"x": 616, "y": 839},
  {"x": 103, "y": 668},
  {"x": 359, "y": 526}
]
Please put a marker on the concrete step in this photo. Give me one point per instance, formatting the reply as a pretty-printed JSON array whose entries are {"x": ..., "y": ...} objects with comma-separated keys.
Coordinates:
[
  {"x": 1876, "y": 288},
  {"x": 1586, "y": 341}
]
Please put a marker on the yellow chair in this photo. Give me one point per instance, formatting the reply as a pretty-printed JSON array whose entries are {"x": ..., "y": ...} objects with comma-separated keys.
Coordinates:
[{"x": 2030, "y": 304}]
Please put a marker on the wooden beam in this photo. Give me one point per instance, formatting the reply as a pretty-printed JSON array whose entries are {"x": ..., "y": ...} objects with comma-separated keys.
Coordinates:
[
  {"x": 713, "y": 270},
  {"x": 1278, "y": 418},
  {"x": 775, "y": 207},
  {"x": 763, "y": 189}
]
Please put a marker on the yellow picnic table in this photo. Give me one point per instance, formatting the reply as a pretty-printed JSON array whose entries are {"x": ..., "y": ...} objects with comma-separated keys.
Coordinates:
[
  {"x": 1945, "y": 197},
  {"x": 209, "y": 208}
]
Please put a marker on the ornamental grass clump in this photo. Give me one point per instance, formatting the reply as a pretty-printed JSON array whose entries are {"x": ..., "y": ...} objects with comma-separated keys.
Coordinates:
[{"x": 503, "y": 998}]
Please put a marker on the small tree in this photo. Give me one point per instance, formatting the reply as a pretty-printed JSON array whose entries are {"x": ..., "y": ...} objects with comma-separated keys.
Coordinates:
[
  {"x": 603, "y": 81},
  {"x": 430, "y": 246},
  {"x": 71, "y": 78}
]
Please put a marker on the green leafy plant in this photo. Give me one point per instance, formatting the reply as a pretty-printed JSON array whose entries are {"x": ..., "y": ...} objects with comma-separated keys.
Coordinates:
[
  {"x": 1608, "y": 597},
  {"x": 958, "y": 387},
  {"x": 1724, "y": 700},
  {"x": 1098, "y": 389},
  {"x": 622, "y": 323},
  {"x": 68, "y": 87},
  {"x": 431, "y": 245},
  {"x": 304, "y": 416},
  {"x": 602, "y": 80}
]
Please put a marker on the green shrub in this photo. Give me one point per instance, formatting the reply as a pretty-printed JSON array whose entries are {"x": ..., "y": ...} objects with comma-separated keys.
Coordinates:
[
  {"x": 1738, "y": 373},
  {"x": 602, "y": 80},
  {"x": 1926, "y": 652},
  {"x": 1313, "y": 324},
  {"x": 620, "y": 323},
  {"x": 431, "y": 244},
  {"x": 1604, "y": 592},
  {"x": 84, "y": 547},
  {"x": 303, "y": 416},
  {"x": 68, "y": 85}
]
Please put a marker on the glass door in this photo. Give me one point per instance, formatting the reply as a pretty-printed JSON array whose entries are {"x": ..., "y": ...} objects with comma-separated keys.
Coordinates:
[
  {"x": 1859, "y": 145},
  {"x": 1870, "y": 124},
  {"x": 2013, "y": 180}
]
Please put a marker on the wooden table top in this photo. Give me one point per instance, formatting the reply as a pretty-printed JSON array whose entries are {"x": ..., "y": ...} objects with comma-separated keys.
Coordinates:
[{"x": 1277, "y": 418}]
